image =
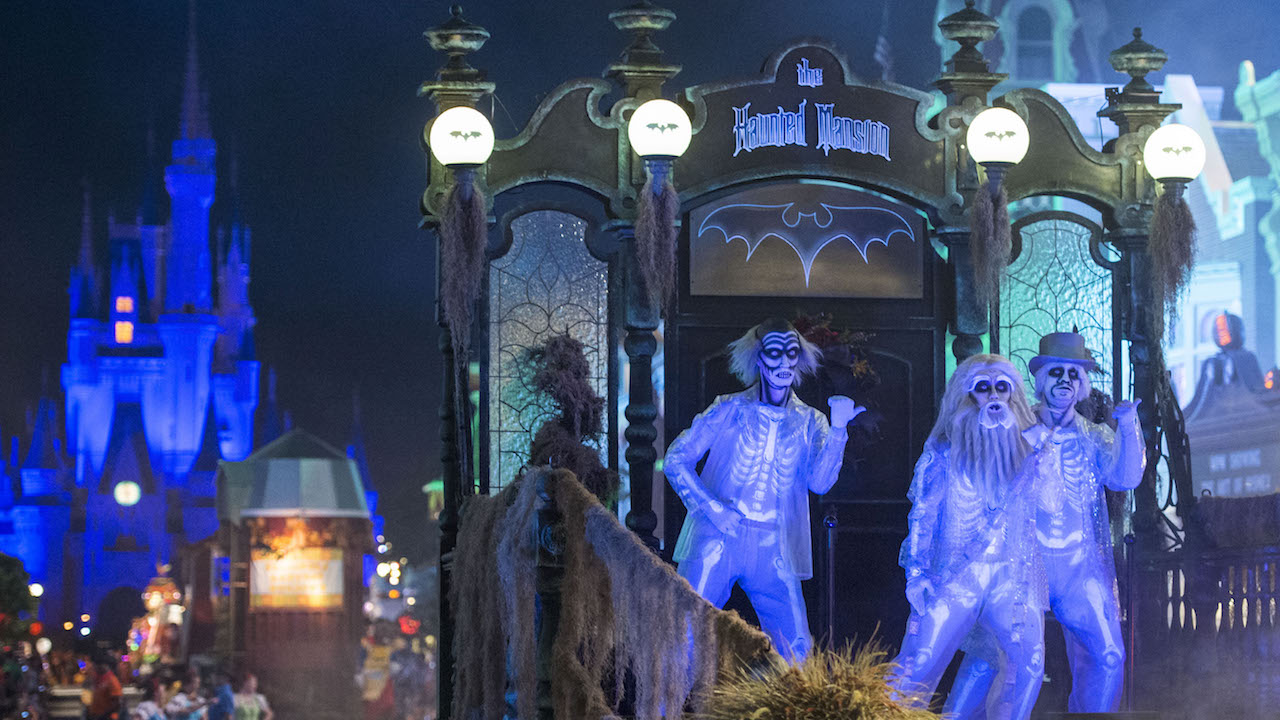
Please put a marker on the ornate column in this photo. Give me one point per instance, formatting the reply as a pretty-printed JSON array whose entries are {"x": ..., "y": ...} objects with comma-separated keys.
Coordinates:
[
  {"x": 971, "y": 319},
  {"x": 641, "y": 72},
  {"x": 1137, "y": 112},
  {"x": 457, "y": 83},
  {"x": 966, "y": 82},
  {"x": 550, "y": 578},
  {"x": 641, "y": 322}
]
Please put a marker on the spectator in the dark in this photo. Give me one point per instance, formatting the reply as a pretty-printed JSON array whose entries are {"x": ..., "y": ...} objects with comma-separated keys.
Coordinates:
[
  {"x": 251, "y": 704},
  {"x": 187, "y": 703},
  {"x": 104, "y": 703},
  {"x": 224, "y": 699},
  {"x": 154, "y": 697}
]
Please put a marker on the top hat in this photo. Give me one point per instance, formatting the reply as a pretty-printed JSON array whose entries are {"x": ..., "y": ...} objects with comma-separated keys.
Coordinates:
[{"x": 1064, "y": 347}]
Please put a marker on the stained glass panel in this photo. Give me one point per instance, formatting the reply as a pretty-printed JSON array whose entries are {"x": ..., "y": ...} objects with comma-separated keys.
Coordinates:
[
  {"x": 1054, "y": 285},
  {"x": 547, "y": 284}
]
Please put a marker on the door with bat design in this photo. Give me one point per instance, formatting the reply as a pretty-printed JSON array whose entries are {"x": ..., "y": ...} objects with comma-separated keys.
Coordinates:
[{"x": 857, "y": 272}]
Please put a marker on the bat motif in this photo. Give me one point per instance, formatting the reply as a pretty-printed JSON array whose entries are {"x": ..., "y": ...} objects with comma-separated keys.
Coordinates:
[
  {"x": 807, "y": 233},
  {"x": 662, "y": 127},
  {"x": 1177, "y": 150},
  {"x": 465, "y": 135},
  {"x": 1001, "y": 134}
]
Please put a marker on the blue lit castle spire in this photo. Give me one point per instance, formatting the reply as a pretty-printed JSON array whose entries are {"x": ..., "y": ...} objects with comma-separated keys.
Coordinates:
[{"x": 160, "y": 383}]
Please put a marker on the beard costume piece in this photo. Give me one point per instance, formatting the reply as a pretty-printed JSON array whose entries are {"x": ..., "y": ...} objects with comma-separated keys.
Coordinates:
[
  {"x": 748, "y": 511},
  {"x": 1077, "y": 460},
  {"x": 973, "y": 578}
]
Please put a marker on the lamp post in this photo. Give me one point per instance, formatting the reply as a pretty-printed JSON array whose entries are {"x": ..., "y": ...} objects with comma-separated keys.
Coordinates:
[
  {"x": 997, "y": 140},
  {"x": 659, "y": 132},
  {"x": 1174, "y": 156},
  {"x": 461, "y": 139},
  {"x": 456, "y": 84}
]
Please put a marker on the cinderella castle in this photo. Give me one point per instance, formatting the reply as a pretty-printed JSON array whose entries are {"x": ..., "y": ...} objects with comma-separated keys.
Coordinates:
[{"x": 160, "y": 382}]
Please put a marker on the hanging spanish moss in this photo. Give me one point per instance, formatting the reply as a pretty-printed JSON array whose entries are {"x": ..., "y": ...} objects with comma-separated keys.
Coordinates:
[
  {"x": 828, "y": 685},
  {"x": 479, "y": 645},
  {"x": 623, "y": 614},
  {"x": 1171, "y": 247},
  {"x": 656, "y": 241},
  {"x": 990, "y": 242},
  {"x": 561, "y": 371},
  {"x": 463, "y": 236},
  {"x": 517, "y": 553}
]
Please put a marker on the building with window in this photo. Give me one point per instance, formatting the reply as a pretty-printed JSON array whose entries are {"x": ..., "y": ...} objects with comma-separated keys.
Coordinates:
[{"x": 160, "y": 383}]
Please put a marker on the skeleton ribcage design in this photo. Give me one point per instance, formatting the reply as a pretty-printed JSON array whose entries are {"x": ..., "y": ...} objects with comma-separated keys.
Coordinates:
[
  {"x": 768, "y": 459},
  {"x": 1067, "y": 488}
]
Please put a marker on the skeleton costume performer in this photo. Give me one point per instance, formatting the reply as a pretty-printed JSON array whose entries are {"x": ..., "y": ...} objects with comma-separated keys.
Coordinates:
[
  {"x": 1078, "y": 459},
  {"x": 748, "y": 519},
  {"x": 970, "y": 555}
]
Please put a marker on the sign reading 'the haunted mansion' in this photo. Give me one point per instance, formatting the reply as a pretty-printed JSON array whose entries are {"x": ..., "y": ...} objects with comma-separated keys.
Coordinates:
[{"x": 808, "y": 111}]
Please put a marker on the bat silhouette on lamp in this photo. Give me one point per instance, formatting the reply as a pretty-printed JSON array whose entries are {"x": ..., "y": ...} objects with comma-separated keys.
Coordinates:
[{"x": 807, "y": 233}]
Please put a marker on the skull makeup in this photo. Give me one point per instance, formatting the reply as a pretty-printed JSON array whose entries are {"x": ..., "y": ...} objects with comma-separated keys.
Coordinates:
[
  {"x": 991, "y": 393},
  {"x": 778, "y": 357},
  {"x": 1061, "y": 385}
]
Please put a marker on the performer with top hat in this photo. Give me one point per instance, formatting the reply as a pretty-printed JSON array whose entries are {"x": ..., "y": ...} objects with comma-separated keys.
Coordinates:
[{"x": 1078, "y": 459}]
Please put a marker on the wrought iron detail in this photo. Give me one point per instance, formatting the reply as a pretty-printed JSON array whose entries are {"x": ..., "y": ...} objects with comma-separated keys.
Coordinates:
[
  {"x": 546, "y": 284},
  {"x": 1059, "y": 279}
]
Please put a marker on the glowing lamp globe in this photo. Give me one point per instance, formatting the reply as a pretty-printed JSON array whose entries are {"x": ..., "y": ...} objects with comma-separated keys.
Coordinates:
[
  {"x": 659, "y": 129},
  {"x": 1174, "y": 153},
  {"x": 127, "y": 493},
  {"x": 461, "y": 137},
  {"x": 998, "y": 135},
  {"x": 36, "y": 590}
]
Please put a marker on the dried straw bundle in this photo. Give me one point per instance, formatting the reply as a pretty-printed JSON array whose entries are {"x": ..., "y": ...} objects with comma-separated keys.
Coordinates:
[{"x": 829, "y": 685}]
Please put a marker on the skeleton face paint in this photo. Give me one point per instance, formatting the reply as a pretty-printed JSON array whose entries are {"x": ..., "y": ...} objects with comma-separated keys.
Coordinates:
[
  {"x": 1063, "y": 385},
  {"x": 991, "y": 393},
  {"x": 778, "y": 356}
]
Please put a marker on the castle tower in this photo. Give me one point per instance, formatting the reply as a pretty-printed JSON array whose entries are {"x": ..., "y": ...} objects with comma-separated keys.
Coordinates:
[
  {"x": 160, "y": 384},
  {"x": 190, "y": 181},
  {"x": 175, "y": 407}
]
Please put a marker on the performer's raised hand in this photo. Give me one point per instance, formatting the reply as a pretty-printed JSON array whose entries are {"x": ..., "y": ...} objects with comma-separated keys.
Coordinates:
[
  {"x": 843, "y": 410},
  {"x": 1127, "y": 411}
]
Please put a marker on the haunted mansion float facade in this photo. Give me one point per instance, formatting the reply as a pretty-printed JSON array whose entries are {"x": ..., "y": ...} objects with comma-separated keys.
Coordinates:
[{"x": 841, "y": 203}]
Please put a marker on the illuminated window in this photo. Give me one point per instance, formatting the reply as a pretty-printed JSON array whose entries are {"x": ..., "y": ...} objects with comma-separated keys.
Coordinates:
[
  {"x": 124, "y": 332},
  {"x": 127, "y": 493},
  {"x": 124, "y": 304},
  {"x": 1035, "y": 44}
]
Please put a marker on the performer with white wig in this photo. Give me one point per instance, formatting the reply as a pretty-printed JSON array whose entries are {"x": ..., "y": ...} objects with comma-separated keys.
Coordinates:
[
  {"x": 970, "y": 554},
  {"x": 748, "y": 519},
  {"x": 1079, "y": 459}
]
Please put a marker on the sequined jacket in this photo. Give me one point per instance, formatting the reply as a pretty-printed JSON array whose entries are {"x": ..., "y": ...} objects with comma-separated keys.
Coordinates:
[
  {"x": 793, "y": 446},
  {"x": 1077, "y": 464},
  {"x": 952, "y": 525}
]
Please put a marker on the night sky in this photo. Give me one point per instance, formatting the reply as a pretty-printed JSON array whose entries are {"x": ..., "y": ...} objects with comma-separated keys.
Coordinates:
[{"x": 316, "y": 99}]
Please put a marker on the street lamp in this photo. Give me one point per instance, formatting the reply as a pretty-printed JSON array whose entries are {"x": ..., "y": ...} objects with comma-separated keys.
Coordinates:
[
  {"x": 461, "y": 139},
  {"x": 1174, "y": 156},
  {"x": 36, "y": 590},
  {"x": 997, "y": 139},
  {"x": 659, "y": 132}
]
